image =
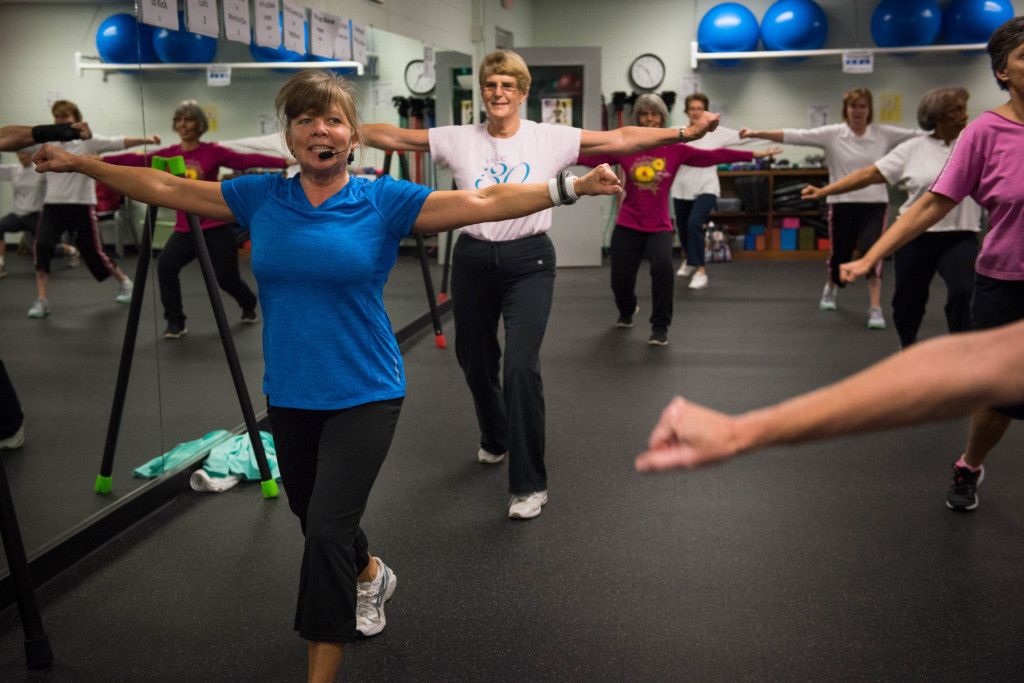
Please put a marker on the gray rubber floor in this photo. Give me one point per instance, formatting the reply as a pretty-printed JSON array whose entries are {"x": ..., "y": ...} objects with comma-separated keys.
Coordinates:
[{"x": 834, "y": 561}]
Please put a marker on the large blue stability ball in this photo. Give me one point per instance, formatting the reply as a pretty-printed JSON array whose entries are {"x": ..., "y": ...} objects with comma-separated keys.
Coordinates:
[
  {"x": 974, "y": 21},
  {"x": 794, "y": 25},
  {"x": 729, "y": 27},
  {"x": 279, "y": 54},
  {"x": 122, "y": 40},
  {"x": 903, "y": 23},
  {"x": 183, "y": 47}
]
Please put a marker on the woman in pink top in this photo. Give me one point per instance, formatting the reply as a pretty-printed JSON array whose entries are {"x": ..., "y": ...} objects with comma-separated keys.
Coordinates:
[
  {"x": 203, "y": 161},
  {"x": 643, "y": 226},
  {"x": 986, "y": 165}
]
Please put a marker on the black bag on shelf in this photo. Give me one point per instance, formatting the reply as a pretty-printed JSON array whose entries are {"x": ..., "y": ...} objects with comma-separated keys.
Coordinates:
[{"x": 753, "y": 192}]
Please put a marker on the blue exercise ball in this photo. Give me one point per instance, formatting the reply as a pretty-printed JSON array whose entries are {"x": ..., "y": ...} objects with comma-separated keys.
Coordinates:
[
  {"x": 903, "y": 23},
  {"x": 280, "y": 54},
  {"x": 729, "y": 27},
  {"x": 974, "y": 21},
  {"x": 122, "y": 40},
  {"x": 183, "y": 47},
  {"x": 794, "y": 25}
]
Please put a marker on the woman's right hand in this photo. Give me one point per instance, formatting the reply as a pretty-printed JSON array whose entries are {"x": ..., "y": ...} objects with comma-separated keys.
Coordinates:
[
  {"x": 813, "y": 192},
  {"x": 747, "y": 133},
  {"x": 51, "y": 159},
  {"x": 601, "y": 180},
  {"x": 850, "y": 271}
]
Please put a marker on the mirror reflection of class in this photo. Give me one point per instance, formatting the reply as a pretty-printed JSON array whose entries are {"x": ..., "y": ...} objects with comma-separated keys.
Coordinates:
[{"x": 180, "y": 386}]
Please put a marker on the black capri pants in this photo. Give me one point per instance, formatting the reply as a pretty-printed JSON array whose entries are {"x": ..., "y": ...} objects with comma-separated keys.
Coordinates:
[
  {"x": 329, "y": 460},
  {"x": 996, "y": 303}
]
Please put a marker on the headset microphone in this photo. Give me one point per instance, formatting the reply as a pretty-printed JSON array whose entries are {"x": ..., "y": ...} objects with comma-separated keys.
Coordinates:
[{"x": 328, "y": 155}]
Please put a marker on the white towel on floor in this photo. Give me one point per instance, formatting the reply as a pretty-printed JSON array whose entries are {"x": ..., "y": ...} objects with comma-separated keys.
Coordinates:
[{"x": 201, "y": 481}]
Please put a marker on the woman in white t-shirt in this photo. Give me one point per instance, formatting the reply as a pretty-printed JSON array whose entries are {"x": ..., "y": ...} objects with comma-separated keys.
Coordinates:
[
  {"x": 506, "y": 269},
  {"x": 856, "y": 219},
  {"x": 949, "y": 247}
]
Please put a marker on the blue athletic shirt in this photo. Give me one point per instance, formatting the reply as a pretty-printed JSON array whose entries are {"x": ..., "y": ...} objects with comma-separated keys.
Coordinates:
[{"x": 327, "y": 340}]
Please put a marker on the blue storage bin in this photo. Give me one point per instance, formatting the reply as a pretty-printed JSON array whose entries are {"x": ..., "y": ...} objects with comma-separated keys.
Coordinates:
[
  {"x": 788, "y": 241},
  {"x": 750, "y": 243},
  {"x": 755, "y": 230}
]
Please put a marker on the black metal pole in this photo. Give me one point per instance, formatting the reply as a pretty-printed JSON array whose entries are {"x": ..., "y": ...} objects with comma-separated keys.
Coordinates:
[
  {"x": 428, "y": 282},
  {"x": 37, "y": 645},
  {"x": 124, "y": 371},
  {"x": 446, "y": 269},
  {"x": 266, "y": 480}
]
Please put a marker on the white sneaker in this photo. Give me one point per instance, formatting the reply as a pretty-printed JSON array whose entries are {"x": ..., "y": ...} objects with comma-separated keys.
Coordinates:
[
  {"x": 699, "y": 281},
  {"x": 489, "y": 458},
  {"x": 124, "y": 295},
  {"x": 16, "y": 440},
  {"x": 370, "y": 599},
  {"x": 74, "y": 256},
  {"x": 527, "y": 506},
  {"x": 876, "y": 321},
  {"x": 828, "y": 298},
  {"x": 3, "y": 271},
  {"x": 686, "y": 270},
  {"x": 39, "y": 309}
]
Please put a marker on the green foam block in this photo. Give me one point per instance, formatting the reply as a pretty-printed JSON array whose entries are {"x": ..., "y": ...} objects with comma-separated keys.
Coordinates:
[{"x": 103, "y": 483}]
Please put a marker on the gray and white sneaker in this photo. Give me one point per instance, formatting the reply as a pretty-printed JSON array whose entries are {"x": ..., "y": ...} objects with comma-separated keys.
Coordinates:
[
  {"x": 15, "y": 440},
  {"x": 39, "y": 309},
  {"x": 828, "y": 298},
  {"x": 876, "y": 321},
  {"x": 489, "y": 458},
  {"x": 124, "y": 295},
  {"x": 527, "y": 506},
  {"x": 370, "y": 599},
  {"x": 686, "y": 270}
]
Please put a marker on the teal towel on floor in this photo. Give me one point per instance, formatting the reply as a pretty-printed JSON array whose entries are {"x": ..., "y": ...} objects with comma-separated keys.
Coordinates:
[
  {"x": 179, "y": 454},
  {"x": 235, "y": 456}
]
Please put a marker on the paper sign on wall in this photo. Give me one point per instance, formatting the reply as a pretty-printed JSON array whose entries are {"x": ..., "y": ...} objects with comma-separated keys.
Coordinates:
[
  {"x": 428, "y": 62},
  {"x": 294, "y": 18},
  {"x": 817, "y": 115},
  {"x": 689, "y": 85},
  {"x": 218, "y": 75},
  {"x": 157, "y": 13},
  {"x": 323, "y": 29},
  {"x": 890, "y": 108},
  {"x": 343, "y": 41},
  {"x": 858, "y": 61},
  {"x": 359, "y": 42},
  {"x": 236, "y": 21},
  {"x": 201, "y": 18},
  {"x": 383, "y": 92},
  {"x": 267, "y": 28}
]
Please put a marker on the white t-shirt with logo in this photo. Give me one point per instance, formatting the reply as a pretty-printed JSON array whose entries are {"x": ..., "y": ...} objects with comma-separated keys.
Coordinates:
[{"x": 535, "y": 154}]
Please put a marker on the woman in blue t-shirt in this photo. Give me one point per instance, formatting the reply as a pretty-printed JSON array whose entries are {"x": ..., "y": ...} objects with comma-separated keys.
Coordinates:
[{"x": 323, "y": 243}]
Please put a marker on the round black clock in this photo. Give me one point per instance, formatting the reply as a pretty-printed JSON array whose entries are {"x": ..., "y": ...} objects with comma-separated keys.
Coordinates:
[{"x": 647, "y": 71}]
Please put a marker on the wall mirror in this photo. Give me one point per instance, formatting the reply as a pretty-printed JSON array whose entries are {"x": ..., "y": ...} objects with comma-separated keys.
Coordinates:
[{"x": 65, "y": 365}]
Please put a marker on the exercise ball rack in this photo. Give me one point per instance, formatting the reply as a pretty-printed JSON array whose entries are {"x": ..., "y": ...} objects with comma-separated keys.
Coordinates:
[{"x": 696, "y": 56}]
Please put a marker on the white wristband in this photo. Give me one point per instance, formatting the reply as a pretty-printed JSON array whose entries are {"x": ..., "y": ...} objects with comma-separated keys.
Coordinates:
[
  {"x": 570, "y": 187},
  {"x": 553, "y": 191}
]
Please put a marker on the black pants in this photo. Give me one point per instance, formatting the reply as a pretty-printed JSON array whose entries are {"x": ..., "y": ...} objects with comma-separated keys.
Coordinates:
[
  {"x": 80, "y": 221},
  {"x": 995, "y": 303},
  {"x": 15, "y": 223},
  {"x": 691, "y": 216},
  {"x": 11, "y": 416},
  {"x": 854, "y": 226},
  {"x": 627, "y": 248},
  {"x": 513, "y": 281},
  {"x": 329, "y": 460},
  {"x": 952, "y": 256},
  {"x": 180, "y": 250}
]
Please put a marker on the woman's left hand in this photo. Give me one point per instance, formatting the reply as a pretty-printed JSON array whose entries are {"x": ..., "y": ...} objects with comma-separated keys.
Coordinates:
[
  {"x": 153, "y": 139},
  {"x": 601, "y": 180},
  {"x": 770, "y": 152},
  {"x": 52, "y": 159}
]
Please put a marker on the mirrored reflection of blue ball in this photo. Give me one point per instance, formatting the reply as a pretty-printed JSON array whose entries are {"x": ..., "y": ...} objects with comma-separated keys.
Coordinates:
[
  {"x": 794, "y": 25},
  {"x": 903, "y": 23},
  {"x": 183, "y": 47},
  {"x": 122, "y": 40},
  {"x": 973, "y": 21}
]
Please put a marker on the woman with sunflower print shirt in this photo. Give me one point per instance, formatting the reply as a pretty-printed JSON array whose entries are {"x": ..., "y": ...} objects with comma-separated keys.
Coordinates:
[{"x": 643, "y": 227}]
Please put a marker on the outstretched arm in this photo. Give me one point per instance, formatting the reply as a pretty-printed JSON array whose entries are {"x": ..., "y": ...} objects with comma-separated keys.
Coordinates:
[
  {"x": 153, "y": 139},
  {"x": 13, "y": 138},
  {"x": 392, "y": 138},
  {"x": 862, "y": 177},
  {"x": 922, "y": 214},
  {"x": 632, "y": 139},
  {"x": 773, "y": 135},
  {"x": 448, "y": 210},
  {"x": 147, "y": 185},
  {"x": 935, "y": 380}
]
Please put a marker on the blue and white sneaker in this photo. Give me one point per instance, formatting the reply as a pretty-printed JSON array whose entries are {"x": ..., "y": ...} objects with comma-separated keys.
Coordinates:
[{"x": 370, "y": 599}]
